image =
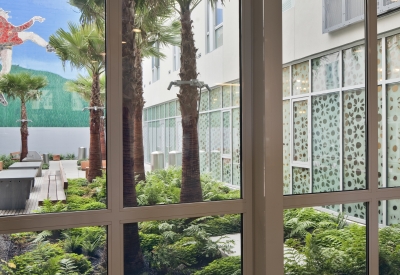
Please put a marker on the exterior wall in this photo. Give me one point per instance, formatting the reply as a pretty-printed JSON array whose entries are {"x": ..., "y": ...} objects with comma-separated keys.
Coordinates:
[
  {"x": 219, "y": 66},
  {"x": 56, "y": 140},
  {"x": 302, "y": 31}
]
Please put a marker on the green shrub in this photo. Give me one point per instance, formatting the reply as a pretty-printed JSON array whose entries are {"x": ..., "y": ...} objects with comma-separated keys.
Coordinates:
[
  {"x": 221, "y": 225},
  {"x": 149, "y": 241},
  {"x": 94, "y": 206},
  {"x": 7, "y": 161},
  {"x": 225, "y": 266},
  {"x": 45, "y": 166}
]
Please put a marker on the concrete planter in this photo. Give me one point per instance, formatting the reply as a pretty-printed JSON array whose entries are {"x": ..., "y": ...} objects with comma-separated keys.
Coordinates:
[
  {"x": 56, "y": 157},
  {"x": 1, "y": 165}
]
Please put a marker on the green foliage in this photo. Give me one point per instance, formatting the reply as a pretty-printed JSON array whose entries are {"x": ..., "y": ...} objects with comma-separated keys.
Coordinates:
[
  {"x": 7, "y": 161},
  {"x": 389, "y": 250},
  {"x": 80, "y": 161},
  {"x": 221, "y": 225},
  {"x": 149, "y": 241},
  {"x": 50, "y": 207},
  {"x": 45, "y": 166},
  {"x": 224, "y": 266},
  {"x": 163, "y": 187}
]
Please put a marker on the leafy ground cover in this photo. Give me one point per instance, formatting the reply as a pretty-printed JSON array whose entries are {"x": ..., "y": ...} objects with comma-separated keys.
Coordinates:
[{"x": 7, "y": 161}]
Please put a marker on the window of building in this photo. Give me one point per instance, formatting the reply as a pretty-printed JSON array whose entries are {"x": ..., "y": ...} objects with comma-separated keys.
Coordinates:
[
  {"x": 215, "y": 20},
  {"x": 155, "y": 65},
  {"x": 176, "y": 58}
]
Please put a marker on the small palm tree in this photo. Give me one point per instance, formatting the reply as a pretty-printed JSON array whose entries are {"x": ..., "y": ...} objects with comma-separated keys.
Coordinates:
[
  {"x": 83, "y": 86},
  {"x": 25, "y": 87},
  {"x": 83, "y": 48},
  {"x": 151, "y": 24}
]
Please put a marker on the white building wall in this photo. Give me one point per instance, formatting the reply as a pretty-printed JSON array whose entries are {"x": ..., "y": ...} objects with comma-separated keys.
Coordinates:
[
  {"x": 219, "y": 66},
  {"x": 302, "y": 31}
]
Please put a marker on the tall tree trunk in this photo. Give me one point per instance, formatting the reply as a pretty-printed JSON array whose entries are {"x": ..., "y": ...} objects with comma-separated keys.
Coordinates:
[
  {"x": 102, "y": 136},
  {"x": 95, "y": 150},
  {"x": 24, "y": 131},
  {"x": 138, "y": 150},
  {"x": 188, "y": 98},
  {"x": 133, "y": 258}
]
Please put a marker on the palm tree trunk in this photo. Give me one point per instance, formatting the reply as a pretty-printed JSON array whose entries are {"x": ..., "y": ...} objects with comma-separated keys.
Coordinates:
[
  {"x": 133, "y": 258},
  {"x": 188, "y": 97},
  {"x": 102, "y": 137},
  {"x": 138, "y": 150},
  {"x": 24, "y": 131},
  {"x": 95, "y": 150}
]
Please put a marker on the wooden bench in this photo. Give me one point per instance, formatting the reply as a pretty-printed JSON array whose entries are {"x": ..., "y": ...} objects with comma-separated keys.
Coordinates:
[
  {"x": 52, "y": 188},
  {"x": 64, "y": 179}
]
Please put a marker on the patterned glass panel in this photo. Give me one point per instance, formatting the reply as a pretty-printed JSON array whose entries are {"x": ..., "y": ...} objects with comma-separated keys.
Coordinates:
[
  {"x": 325, "y": 72},
  {"x": 162, "y": 111},
  {"x": 354, "y": 66},
  {"x": 286, "y": 82},
  {"x": 380, "y": 136},
  {"x": 215, "y": 99},
  {"x": 300, "y": 128},
  {"x": 393, "y": 135},
  {"x": 204, "y": 143},
  {"x": 357, "y": 210},
  {"x": 286, "y": 147},
  {"x": 326, "y": 143},
  {"x": 301, "y": 180},
  {"x": 236, "y": 95},
  {"x": 380, "y": 60},
  {"x": 227, "y": 171},
  {"x": 226, "y": 132},
  {"x": 236, "y": 146},
  {"x": 393, "y": 56},
  {"x": 381, "y": 211},
  {"x": 216, "y": 160},
  {"x": 300, "y": 78},
  {"x": 179, "y": 137},
  {"x": 172, "y": 134},
  {"x": 226, "y": 96},
  {"x": 145, "y": 142},
  {"x": 172, "y": 108},
  {"x": 354, "y": 140},
  {"x": 393, "y": 212},
  {"x": 204, "y": 101}
]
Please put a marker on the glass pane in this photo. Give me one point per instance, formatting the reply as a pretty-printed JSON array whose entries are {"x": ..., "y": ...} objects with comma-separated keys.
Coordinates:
[
  {"x": 236, "y": 146},
  {"x": 286, "y": 147},
  {"x": 326, "y": 142},
  {"x": 219, "y": 15},
  {"x": 204, "y": 245},
  {"x": 68, "y": 251},
  {"x": 226, "y": 96},
  {"x": 380, "y": 138},
  {"x": 300, "y": 128},
  {"x": 194, "y": 150},
  {"x": 301, "y": 180},
  {"x": 300, "y": 78},
  {"x": 354, "y": 140},
  {"x": 286, "y": 82},
  {"x": 321, "y": 241},
  {"x": 219, "y": 37},
  {"x": 215, "y": 99},
  {"x": 57, "y": 120},
  {"x": 393, "y": 57},
  {"x": 325, "y": 72},
  {"x": 354, "y": 66},
  {"x": 236, "y": 94},
  {"x": 204, "y": 101},
  {"x": 380, "y": 62},
  {"x": 393, "y": 115},
  {"x": 216, "y": 160},
  {"x": 226, "y": 133},
  {"x": 204, "y": 142}
]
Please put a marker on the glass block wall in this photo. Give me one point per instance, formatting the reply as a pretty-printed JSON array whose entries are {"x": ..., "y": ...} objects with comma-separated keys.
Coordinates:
[
  {"x": 218, "y": 126},
  {"x": 324, "y": 118}
]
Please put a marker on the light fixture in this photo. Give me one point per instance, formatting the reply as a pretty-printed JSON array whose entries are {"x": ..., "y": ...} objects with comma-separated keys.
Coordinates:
[
  {"x": 136, "y": 30},
  {"x": 123, "y": 42}
]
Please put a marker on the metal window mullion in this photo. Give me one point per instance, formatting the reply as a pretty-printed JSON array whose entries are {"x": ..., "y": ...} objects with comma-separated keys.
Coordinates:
[{"x": 372, "y": 136}]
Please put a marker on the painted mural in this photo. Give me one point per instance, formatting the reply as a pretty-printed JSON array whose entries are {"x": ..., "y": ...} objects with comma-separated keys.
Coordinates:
[{"x": 25, "y": 28}]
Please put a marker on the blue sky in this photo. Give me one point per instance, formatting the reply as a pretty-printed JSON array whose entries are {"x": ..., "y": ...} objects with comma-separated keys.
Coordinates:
[{"x": 57, "y": 14}]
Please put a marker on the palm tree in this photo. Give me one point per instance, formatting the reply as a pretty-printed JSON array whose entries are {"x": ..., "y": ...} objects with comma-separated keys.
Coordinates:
[
  {"x": 83, "y": 48},
  {"x": 83, "y": 86},
  {"x": 188, "y": 99},
  {"x": 26, "y": 87},
  {"x": 153, "y": 29}
]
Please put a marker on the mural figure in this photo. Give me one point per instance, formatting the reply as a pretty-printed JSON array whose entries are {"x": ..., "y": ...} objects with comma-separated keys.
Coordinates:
[{"x": 11, "y": 36}]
